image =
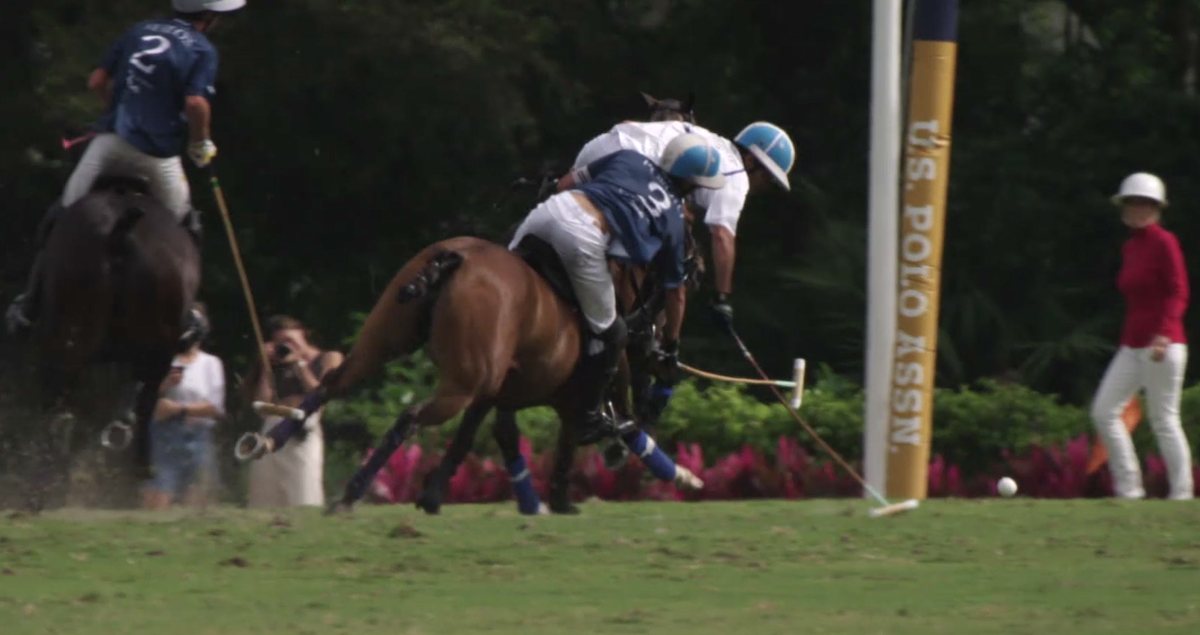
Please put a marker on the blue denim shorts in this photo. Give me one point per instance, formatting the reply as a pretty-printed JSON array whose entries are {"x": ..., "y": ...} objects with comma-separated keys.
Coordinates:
[{"x": 181, "y": 454}]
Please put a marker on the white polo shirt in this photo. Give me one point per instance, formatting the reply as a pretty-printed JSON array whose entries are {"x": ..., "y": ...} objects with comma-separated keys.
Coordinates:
[{"x": 721, "y": 207}]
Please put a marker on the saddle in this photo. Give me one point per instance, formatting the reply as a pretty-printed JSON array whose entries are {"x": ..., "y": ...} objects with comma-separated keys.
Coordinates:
[
  {"x": 122, "y": 185},
  {"x": 539, "y": 255}
]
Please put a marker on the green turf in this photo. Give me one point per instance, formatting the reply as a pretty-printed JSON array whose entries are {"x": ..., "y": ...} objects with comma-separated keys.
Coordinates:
[{"x": 997, "y": 566}]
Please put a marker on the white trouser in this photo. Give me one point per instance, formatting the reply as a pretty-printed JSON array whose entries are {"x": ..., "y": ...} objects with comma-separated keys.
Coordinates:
[
  {"x": 110, "y": 155},
  {"x": 574, "y": 235},
  {"x": 1129, "y": 370},
  {"x": 294, "y": 475}
]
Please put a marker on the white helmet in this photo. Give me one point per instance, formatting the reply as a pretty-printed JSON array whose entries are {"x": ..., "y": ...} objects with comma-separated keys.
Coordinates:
[
  {"x": 688, "y": 157},
  {"x": 1141, "y": 184},
  {"x": 200, "y": 6}
]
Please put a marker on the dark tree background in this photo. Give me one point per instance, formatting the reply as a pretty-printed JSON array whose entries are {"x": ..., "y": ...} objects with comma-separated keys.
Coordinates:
[{"x": 354, "y": 132}]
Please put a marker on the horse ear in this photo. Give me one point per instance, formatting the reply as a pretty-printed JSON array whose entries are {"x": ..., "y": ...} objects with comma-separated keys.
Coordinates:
[{"x": 650, "y": 101}]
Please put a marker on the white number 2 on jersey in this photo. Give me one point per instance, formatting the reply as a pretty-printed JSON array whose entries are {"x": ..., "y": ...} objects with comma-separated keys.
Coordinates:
[{"x": 162, "y": 45}]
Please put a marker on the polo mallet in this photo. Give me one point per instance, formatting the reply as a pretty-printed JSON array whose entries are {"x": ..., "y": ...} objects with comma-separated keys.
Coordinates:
[
  {"x": 796, "y": 384},
  {"x": 67, "y": 144},
  {"x": 252, "y": 445},
  {"x": 259, "y": 407},
  {"x": 885, "y": 508},
  {"x": 237, "y": 259}
]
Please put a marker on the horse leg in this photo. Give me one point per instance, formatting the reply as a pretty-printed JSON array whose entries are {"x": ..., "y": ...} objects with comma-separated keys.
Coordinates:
[
  {"x": 508, "y": 437},
  {"x": 657, "y": 461},
  {"x": 370, "y": 352},
  {"x": 150, "y": 375},
  {"x": 564, "y": 459},
  {"x": 447, "y": 401},
  {"x": 615, "y": 454},
  {"x": 435, "y": 485},
  {"x": 54, "y": 387}
]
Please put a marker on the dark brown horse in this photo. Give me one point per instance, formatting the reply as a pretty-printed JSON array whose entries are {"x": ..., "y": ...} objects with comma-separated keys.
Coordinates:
[
  {"x": 501, "y": 335},
  {"x": 118, "y": 280},
  {"x": 671, "y": 109}
]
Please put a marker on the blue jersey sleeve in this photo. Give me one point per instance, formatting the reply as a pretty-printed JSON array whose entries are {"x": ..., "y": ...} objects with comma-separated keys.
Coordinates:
[
  {"x": 591, "y": 170},
  {"x": 114, "y": 55},
  {"x": 670, "y": 258},
  {"x": 202, "y": 79}
]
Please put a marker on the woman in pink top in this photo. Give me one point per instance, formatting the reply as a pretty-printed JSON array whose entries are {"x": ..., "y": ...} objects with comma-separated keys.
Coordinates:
[{"x": 1153, "y": 349}]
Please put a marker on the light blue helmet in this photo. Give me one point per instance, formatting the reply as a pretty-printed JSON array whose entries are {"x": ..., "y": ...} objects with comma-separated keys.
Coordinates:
[
  {"x": 772, "y": 147},
  {"x": 689, "y": 157}
]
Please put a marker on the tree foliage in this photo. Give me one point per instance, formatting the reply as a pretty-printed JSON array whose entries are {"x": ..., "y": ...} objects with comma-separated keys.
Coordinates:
[{"x": 354, "y": 132}]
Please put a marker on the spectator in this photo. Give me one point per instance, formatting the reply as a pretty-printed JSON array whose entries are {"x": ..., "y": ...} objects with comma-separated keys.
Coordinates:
[
  {"x": 191, "y": 400},
  {"x": 294, "y": 474},
  {"x": 1153, "y": 348}
]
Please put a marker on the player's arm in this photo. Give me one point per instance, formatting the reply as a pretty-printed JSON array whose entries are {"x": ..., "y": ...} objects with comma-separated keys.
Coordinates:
[{"x": 201, "y": 84}]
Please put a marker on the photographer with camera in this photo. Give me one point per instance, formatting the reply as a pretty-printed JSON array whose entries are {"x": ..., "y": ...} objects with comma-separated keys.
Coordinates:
[{"x": 293, "y": 474}]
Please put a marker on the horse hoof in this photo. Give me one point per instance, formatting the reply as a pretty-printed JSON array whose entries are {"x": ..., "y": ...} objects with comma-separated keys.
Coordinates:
[
  {"x": 339, "y": 507},
  {"x": 429, "y": 504},
  {"x": 251, "y": 445},
  {"x": 116, "y": 436},
  {"x": 563, "y": 507},
  {"x": 144, "y": 473},
  {"x": 685, "y": 479},
  {"x": 568, "y": 509},
  {"x": 615, "y": 456}
]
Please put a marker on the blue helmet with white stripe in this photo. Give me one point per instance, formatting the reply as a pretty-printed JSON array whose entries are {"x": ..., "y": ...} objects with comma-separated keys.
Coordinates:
[
  {"x": 772, "y": 147},
  {"x": 690, "y": 158},
  {"x": 200, "y": 6}
]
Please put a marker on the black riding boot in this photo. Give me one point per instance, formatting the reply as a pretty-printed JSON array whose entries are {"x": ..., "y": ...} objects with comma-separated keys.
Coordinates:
[
  {"x": 23, "y": 309},
  {"x": 598, "y": 366},
  {"x": 194, "y": 227}
]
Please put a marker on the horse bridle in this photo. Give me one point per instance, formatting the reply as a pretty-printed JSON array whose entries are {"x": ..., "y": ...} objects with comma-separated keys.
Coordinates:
[
  {"x": 650, "y": 296},
  {"x": 672, "y": 110}
]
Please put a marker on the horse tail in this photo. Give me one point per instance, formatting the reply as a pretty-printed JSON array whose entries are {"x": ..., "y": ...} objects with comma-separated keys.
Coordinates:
[
  {"x": 400, "y": 322},
  {"x": 431, "y": 277}
]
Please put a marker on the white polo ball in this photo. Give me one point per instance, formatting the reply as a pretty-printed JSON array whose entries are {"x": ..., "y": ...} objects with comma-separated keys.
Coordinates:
[{"x": 1007, "y": 487}]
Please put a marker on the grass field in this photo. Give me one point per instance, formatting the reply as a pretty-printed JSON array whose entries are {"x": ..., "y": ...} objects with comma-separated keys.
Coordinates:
[{"x": 996, "y": 566}]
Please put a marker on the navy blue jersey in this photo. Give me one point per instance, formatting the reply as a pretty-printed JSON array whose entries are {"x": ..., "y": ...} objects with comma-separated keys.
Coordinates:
[
  {"x": 643, "y": 208},
  {"x": 155, "y": 66}
]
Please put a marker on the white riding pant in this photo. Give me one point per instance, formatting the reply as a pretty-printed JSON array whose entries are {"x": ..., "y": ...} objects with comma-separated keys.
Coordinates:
[
  {"x": 110, "y": 155},
  {"x": 292, "y": 476},
  {"x": 1132, "y": 369},
  {"x": 579, "y": 242}
]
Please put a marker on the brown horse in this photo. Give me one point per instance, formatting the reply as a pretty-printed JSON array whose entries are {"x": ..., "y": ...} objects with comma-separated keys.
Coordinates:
[
  {"x": 118, "y": 279},
  {"x": 642, "y": 303},
  {"x": 501, "y": 334}
]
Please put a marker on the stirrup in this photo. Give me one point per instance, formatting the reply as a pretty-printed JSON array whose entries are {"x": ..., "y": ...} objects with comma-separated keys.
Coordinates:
[
  {"x": 15, "y": 317},
  {"x": 599, "y": 425}
]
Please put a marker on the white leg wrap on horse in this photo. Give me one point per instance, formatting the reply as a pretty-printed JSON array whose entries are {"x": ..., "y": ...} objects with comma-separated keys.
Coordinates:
[{"x": 650, "y": 447}]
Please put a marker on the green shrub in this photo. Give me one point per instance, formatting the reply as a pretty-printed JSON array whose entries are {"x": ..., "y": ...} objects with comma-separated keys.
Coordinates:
[{"x": 972, "y": 426}]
